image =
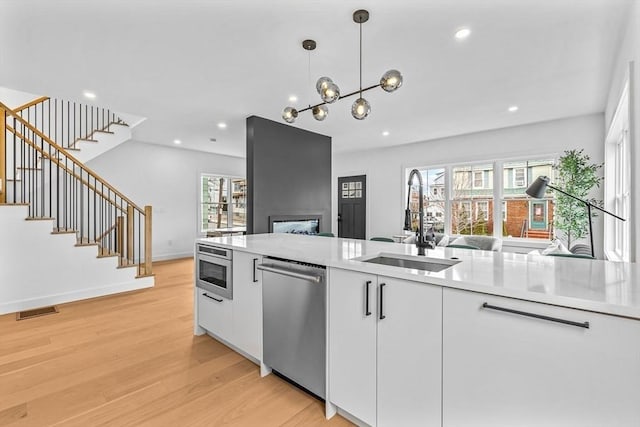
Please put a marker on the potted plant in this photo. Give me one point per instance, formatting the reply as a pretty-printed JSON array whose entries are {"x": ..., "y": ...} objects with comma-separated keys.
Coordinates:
[{"x": 576, "y": 175}]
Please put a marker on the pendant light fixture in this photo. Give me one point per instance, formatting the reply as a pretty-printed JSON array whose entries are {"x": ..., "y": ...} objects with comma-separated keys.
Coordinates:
[{"x": 330, "y": 92}]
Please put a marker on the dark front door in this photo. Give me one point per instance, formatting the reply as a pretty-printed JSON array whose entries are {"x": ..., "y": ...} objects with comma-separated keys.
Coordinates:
[{"x": 352, "y": 206}]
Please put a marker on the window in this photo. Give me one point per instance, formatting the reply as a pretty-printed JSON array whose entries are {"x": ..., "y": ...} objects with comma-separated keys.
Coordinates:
[
  {"x": 617, "y": 179},
  {"x": 519, "y": 177},
  {"x": 482, "y": 211},
  {"x": 464, "y": 193},
  {"x": 434, "y": 200},
  {"x": 466, "y": 203},
  {"x": 222, "y": 202},
  {"x": 527, "y": 218},
  {"x": 478, "y": 179}
]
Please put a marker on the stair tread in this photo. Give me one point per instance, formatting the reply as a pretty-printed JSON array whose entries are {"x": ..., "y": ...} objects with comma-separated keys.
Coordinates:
[
  {"x": 86, "y": 140},
  {"x": 63, "y": 231},
  {"x": 103, "y": 131},
  {"x": 39, "y": 218},
  {"x": 14, "y": 204}
]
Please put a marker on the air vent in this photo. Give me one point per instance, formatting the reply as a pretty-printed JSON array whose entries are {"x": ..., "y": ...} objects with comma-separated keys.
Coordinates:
[{"x": 29, "y": 314}]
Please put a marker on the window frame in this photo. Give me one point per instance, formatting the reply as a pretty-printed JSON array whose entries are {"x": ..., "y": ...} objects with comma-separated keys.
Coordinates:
[
  {"x": 524, "y": 177},
  {"x": 499, "y": 212},
  {"x": 617, "y": 182}
]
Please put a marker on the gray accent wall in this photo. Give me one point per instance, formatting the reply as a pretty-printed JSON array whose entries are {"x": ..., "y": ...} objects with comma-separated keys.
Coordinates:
[{"x": 288, "y": 173}]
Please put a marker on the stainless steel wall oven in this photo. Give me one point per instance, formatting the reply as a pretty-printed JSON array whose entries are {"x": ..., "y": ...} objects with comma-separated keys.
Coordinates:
[{"x": 213, "y": 270}]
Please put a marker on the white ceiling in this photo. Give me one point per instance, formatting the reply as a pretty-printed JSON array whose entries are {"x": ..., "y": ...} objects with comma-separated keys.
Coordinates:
[{"x": 187, "y": 65}]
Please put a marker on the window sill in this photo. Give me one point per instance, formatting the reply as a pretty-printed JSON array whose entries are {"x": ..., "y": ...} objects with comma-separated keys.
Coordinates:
[{"x": 612, "y": 256}]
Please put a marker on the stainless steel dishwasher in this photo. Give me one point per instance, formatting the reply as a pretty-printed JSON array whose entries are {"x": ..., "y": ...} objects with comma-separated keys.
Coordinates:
[{"x": 294, "y": 327}]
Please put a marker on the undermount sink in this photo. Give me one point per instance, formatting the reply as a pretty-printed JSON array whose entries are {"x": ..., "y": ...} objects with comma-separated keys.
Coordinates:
[{"x": 415, "y": 262}]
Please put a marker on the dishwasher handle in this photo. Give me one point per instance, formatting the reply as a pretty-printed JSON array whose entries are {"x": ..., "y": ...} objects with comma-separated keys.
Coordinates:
[{"x": 310, "y": 277}]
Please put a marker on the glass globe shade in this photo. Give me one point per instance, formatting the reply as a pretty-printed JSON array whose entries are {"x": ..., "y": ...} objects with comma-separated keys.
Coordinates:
[
  {"x": 391, "y": 80},
  {"x": 322, "y": 83},
  {"x": 289, "y": 114},
  {"x": 320, "y": 112},
  {"x": 331, "y": 93},
  {"x": 360, "y": 109}
]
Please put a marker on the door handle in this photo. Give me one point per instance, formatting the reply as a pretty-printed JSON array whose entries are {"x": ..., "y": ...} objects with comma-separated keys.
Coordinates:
[
  {"x": 382, "y": 316},
  {"x": 210, "y": 297},
  {"x": 367, "y": 311},
  {"x": 255, "y": 260}
]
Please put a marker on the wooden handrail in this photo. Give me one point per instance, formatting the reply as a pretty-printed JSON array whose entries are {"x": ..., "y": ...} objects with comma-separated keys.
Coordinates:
[
  {"x": 106, "y": 233},
  {"x": 62, "y": 166},
  {"x": 31, "y": 104},
  {"x": 70, "y": 157}
]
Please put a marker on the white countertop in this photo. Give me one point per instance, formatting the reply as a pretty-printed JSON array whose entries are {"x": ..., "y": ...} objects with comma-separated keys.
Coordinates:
[{"x": 600, "y": 286}]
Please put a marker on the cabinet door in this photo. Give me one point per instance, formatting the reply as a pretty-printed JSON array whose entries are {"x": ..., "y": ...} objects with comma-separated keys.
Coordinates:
[
  {"x": 215, "y": 314},
  {"x": 508, "y": 369},
  {"x": 247, "y": 303},
  {"x": 352, "y": 343},
  {"x": 409, "y": 353}
]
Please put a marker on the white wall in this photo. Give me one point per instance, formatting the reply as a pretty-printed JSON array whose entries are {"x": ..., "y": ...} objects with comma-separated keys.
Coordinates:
[
  {"x": 13, "y": 98},
  {"x": 629, "y": 52},
  {"x": 167, "y": 179},
  {"x": 38, "y": 268},
  {"x": 385, "y": 167}
]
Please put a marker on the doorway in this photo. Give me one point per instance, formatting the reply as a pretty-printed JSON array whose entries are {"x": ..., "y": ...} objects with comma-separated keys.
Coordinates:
[{"x": 352, "y": 206}]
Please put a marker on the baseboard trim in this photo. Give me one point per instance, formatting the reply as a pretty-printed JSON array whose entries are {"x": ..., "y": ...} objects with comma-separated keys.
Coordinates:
[
  {"x": 171, "y": 257},
  {"x": 81, "y": 294}
]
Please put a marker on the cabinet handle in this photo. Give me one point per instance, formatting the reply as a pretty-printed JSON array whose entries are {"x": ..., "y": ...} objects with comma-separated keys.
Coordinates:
[
  {"x": 210, "y": 297},
  {"x": 382, "y": 316},
  {"x": 367, "y": 311},
  {"x": 254, "y": 270},
  {"x": 537, "y": 316}
]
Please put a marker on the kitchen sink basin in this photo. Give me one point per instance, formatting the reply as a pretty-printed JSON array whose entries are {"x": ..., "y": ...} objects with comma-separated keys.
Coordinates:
[{"x": 415, "y": 262}]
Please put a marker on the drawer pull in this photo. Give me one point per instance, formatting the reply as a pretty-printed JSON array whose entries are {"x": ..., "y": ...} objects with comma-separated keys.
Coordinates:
[
  {"x": 255, "y": 260},
  {"x": 537, "y": 316},
  {"x": 210, "y": 297}
]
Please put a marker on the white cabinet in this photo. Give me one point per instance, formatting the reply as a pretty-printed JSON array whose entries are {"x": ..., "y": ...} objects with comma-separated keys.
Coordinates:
[
  {"x": 215, "y": 314},
  {"x": 247, "y": 303},
  {"x": 502, "y": 368},
  {"x": 385, "y": 350},
  {"x": 409, "y": 353},
  {"x": 352, "y": 343}
]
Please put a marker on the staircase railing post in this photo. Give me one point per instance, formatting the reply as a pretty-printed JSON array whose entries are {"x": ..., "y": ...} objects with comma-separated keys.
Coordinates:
[
  {"x": 120, "y": 237},
  {"x": 3, "y": 155},
  {"x": 147, "y": 240},
  {"x": 130, "y": 230}
]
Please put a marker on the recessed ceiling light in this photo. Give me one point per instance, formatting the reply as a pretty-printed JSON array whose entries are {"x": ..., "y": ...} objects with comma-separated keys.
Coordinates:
[
  {"x": 89, "y": 95},
  {"x": 293, "y": 98},
  {"x": 385, "y": 133},
  {"x": 222, "y": 125},
  {"x": 177, "y": 141},
  {"x": 462, "y": 33},
  {"x": 513, "y": 108}
]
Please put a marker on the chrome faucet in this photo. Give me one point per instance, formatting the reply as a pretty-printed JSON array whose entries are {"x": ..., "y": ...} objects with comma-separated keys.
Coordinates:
[{"x": 422, "y": 240}]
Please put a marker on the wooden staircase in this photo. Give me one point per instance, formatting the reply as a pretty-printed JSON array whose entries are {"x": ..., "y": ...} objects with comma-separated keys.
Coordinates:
[{"x": 37, "y": 170}]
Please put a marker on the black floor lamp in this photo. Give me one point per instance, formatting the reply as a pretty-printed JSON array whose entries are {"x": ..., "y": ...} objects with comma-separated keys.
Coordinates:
[{"x": 539, "y": 186}]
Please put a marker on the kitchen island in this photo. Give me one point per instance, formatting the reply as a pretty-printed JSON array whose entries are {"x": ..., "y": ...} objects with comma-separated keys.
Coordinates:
[{"x": 496, "y": 339}]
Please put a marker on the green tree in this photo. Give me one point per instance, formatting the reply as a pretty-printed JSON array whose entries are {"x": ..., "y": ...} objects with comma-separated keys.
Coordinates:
[{"x": 577, "y": 176}]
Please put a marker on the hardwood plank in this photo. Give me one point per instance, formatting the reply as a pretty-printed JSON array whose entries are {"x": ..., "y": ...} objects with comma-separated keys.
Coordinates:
[{"x": 132, "y": 359}]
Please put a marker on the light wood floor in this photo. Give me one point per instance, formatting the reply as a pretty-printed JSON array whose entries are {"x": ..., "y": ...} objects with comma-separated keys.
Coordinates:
[{"x": 132, "y": 359}]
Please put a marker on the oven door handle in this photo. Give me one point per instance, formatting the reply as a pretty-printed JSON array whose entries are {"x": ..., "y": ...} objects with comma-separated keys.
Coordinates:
[{"x": 310, "y": 277}]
